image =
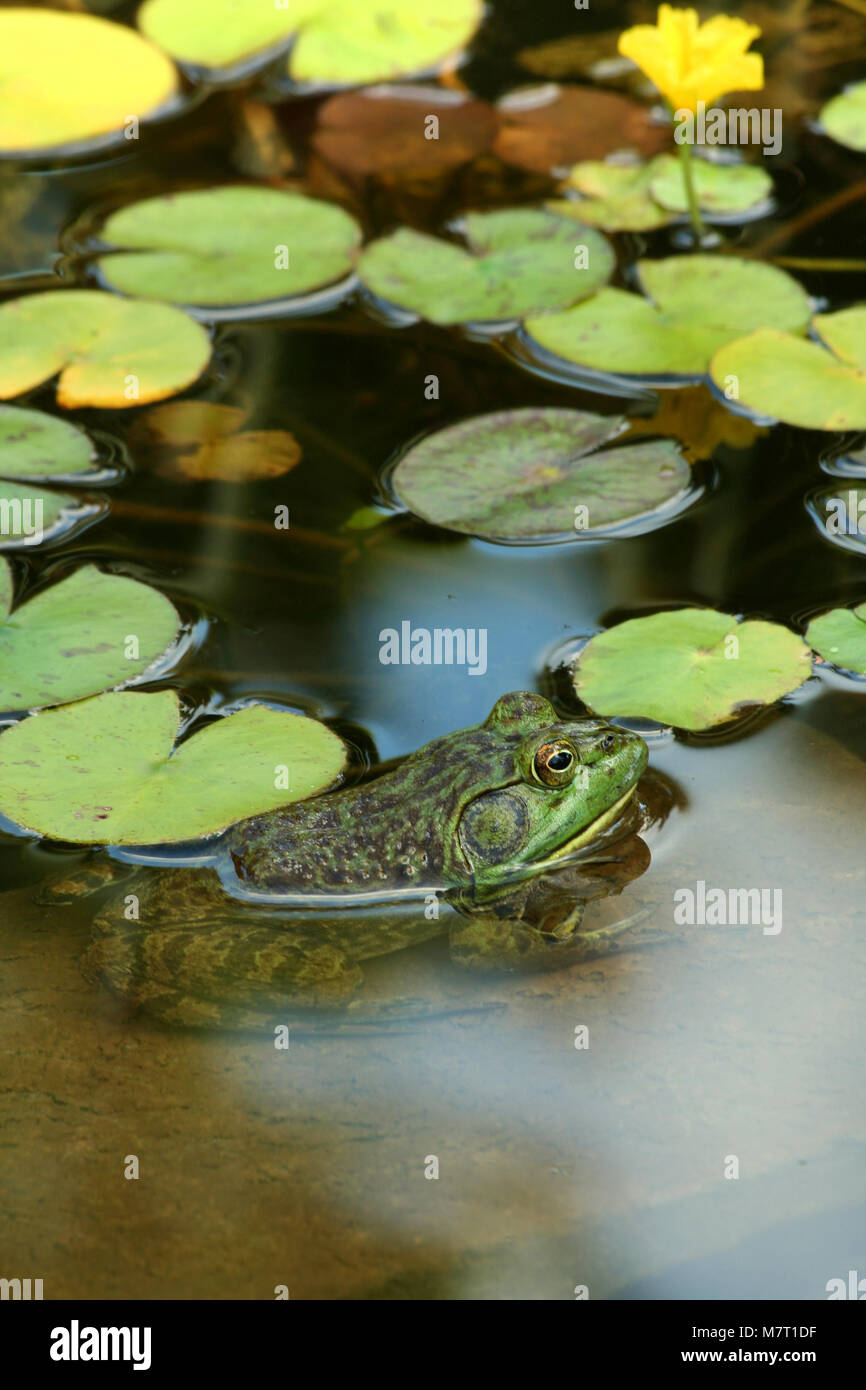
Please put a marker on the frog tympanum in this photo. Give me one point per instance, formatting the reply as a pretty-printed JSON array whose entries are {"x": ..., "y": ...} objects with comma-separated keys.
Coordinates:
[{"x": 494, "y": 821}]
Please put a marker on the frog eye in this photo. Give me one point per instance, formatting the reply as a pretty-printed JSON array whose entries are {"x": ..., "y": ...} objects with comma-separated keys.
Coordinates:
[{"x": 554, "y": 763}]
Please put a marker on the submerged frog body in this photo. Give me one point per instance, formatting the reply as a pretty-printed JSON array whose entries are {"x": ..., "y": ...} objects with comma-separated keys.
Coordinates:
[{"x": 486, "y": 820}]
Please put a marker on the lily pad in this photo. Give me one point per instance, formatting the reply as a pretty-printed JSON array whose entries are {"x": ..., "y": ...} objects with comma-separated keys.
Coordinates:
[
  {"x": 844, "y": 117},
  {"x": 228, "y": 246},
  {"x": 72, "y": 640},
  {"x": 521, "y": 261},
  {"x": 642, "y": 197},
  {"x": 109, "y": 352},
  {"x": 106, "y": 771},
  {"x": 695, "y": 305},
  {"x": 840, "y": 638},
  {"x": 723, "y": 190},
  {"x": 524, "y": 474},
  {"x": 616, "y": 197},
  {"x": 69, "y": 78},
  {"x": 693, "y": 668},
  {"x": 801, "y": 382},
  {"x": 543, "y": 129},
  {"x": 383, "y": 131},
  {"x": 335, "y": 41},
  {"x": 34, "y": 445}
]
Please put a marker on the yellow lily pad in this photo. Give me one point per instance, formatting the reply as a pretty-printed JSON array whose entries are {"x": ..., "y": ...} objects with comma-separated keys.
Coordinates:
[
  {"x": 69, "y": 78},
  {"x": 335, "y": 41},
  {"x": 802, "y": 383},
  {"x": 109, "y": 352}
]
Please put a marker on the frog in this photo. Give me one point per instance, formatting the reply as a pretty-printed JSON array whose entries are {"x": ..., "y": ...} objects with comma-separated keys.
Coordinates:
[{"x": 499, "y": 823}]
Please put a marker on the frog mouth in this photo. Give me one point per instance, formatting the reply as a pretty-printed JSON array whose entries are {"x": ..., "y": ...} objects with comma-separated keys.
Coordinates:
[{"x": 593, "y": 830}]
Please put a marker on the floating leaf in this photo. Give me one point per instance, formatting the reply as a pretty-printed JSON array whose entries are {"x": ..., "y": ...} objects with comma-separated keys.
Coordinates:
[
  {"x": 839, "y": 512},
  {"x": 105, "y": 771},
  {"x": 336, "y": 41},
  {"x": 840, "y": 637},
  {"x": 641, "y": 197},
  {"x": 109, "y": 352},
  {"x": 616, "y": 197},
  {"x": 549, "y": 128},
  {"x": 522, "y": 261},
  {"x": 696, "y": 304},
  {"x": 226, "y": 246},
  {"x": 29, "y": 515},
  {"x": 722, "y": 189},
  {"x": 383, "y": 131},
  {"x": 72, "y": 640},
  {"x": 844, "y": 117},
  {"x": 801, "y": 382},
  {"x": 531, "y": 473},
  {"x": 692, "y": 668},
  {"x": 68, "y": 78},
  {"x": 36, "y": 445}
]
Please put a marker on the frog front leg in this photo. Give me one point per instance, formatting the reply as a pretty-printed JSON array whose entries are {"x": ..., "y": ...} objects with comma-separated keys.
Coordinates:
[{"x": 502, "y": 941}]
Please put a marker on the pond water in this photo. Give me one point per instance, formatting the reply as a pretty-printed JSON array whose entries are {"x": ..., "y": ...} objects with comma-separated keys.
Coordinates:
[{"x": 559, "y": 1166}]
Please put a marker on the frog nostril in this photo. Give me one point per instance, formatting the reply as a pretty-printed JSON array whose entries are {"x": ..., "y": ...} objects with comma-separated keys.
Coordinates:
[{"x": 608, "y": 743}]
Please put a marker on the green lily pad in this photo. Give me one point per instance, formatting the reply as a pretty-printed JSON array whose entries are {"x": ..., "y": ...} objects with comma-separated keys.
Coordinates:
[
  {"x": 642, "y": 197},
  {"x": 72, "y": 640},
  {"x": 801, "y": 382},
  {"x": 226, "y": 246},
  {"x": 722, "y": 189},
  {"x": 31, "y": 515},
  {"x": 695, "y": 305},
  {"x": 523, "y": 474},
  {"x": 39, "y": 446},
  {"x": 693, "y": 668},
  {"x": 840, "y": 637},
  {"x": 105, "y": 771},
  {"x": 616, "y": 197},
  {"x": 36, "y": 445},
  {"x": 68, "y": 78},
  {"x": 109, "y": 352},
  {"x": 844, "y": 117},
  {"x": 521, "y": 261},
  {"x": 336, "y": 41}
]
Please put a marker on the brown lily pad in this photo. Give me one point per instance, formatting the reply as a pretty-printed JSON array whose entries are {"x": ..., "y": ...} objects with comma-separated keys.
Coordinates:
[
  {"x": 547, "y": 128},
  {"x": 388, "y": 131}
]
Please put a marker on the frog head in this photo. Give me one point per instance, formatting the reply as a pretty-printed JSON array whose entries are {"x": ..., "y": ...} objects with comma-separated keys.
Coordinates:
[{"x": 554, "y": 786}]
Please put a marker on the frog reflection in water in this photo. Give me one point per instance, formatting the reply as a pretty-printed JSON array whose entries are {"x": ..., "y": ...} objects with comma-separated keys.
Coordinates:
[{"x": 482, "y": 818}]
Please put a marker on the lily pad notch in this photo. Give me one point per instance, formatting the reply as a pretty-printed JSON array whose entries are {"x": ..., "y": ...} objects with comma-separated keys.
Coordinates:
[
  {"x": 691, "y": 668},
  {"x": 540, "y": 475},
  {"x": 107, "y": 771}
]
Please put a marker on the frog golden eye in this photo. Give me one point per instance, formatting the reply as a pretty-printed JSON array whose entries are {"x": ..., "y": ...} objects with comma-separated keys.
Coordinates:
[{"x": 554, "y": 763}]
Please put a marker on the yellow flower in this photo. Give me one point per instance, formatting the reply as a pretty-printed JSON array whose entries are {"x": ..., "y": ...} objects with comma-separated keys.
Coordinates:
[{"x": 691, "y": 62}]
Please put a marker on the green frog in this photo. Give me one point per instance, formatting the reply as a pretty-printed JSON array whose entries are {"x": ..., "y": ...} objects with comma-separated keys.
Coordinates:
[{"x": 490, "y": 825}]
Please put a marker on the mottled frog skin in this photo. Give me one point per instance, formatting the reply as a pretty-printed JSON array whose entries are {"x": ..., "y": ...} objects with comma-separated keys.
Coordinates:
[{"x": 484, "y": 820}]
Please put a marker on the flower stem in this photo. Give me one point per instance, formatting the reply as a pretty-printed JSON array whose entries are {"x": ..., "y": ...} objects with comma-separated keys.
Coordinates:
[{"x": 691, "y": 195}]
